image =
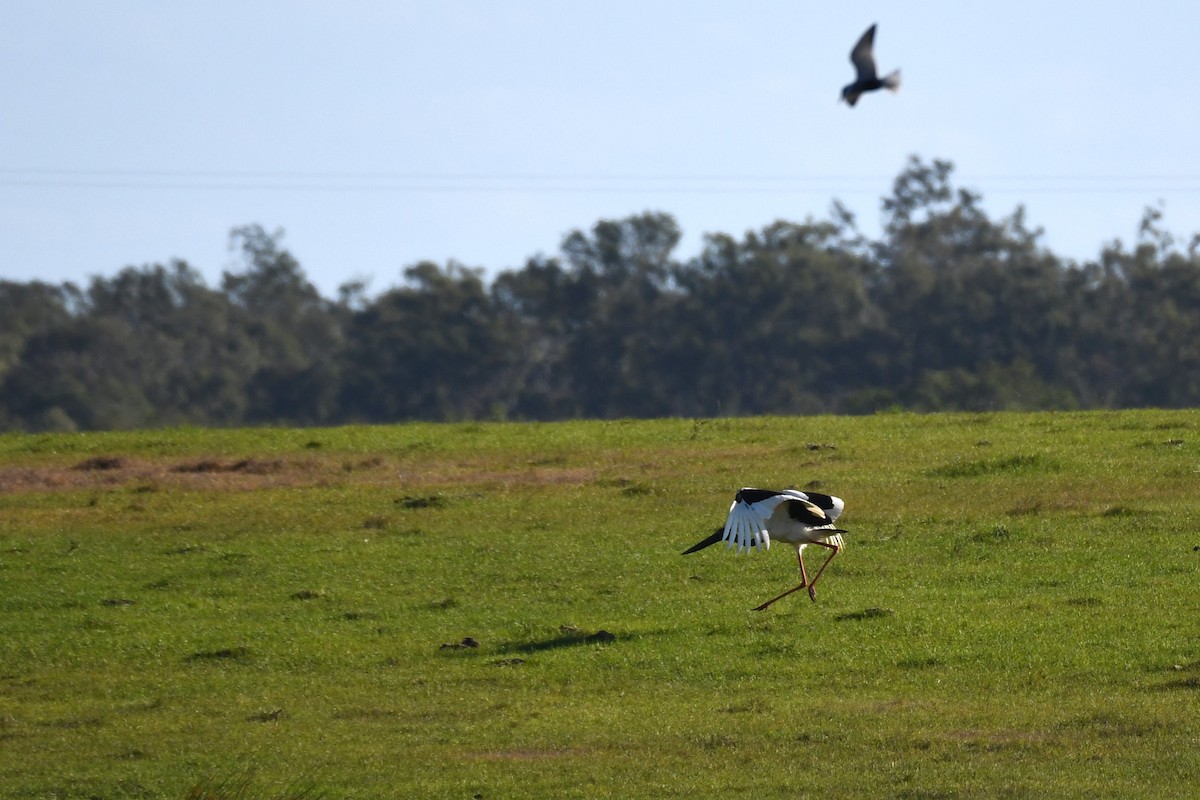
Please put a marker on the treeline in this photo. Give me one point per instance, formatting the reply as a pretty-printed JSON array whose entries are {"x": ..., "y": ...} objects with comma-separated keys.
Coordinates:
[{"x": 949, "y": 309}]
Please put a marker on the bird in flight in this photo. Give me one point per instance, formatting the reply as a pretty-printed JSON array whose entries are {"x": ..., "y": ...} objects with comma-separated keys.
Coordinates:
[
  {"x": 866, "y": 79},
  {"x": 798, "y": 518}
]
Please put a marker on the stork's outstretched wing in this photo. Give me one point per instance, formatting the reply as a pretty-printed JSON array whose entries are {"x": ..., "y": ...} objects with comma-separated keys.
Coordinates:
[{"x": 746, "y": 526}]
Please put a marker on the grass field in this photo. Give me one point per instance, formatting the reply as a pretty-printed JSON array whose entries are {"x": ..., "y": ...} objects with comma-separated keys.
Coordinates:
[{"x": 283, "y": 613}]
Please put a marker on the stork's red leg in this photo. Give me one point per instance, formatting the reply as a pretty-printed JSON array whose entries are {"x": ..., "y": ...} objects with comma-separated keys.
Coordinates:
[
  {"x": 803, "y": 581},
  {"x": 812, "y": 592},
  {"x": 780, "y": 597}
]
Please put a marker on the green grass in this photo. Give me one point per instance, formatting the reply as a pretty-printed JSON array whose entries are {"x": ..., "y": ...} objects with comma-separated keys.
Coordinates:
[{"x": 282, "y": 613}]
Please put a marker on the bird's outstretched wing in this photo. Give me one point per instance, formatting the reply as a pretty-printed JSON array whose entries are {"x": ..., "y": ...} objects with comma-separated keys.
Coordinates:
[
  {"x": 863, "y": 56},
  {"x": 746, "y": 525}
]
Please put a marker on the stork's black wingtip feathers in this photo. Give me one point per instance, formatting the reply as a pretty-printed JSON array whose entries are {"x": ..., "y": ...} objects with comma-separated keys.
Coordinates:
[{"x": 703, "y": 543}]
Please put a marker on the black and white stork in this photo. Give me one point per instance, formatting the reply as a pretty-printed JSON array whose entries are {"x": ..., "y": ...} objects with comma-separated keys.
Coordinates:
[{"x": 799, "y": 518}]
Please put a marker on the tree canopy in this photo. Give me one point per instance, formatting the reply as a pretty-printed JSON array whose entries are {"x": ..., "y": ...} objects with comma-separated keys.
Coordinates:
[{"x": 949, "y": 309}]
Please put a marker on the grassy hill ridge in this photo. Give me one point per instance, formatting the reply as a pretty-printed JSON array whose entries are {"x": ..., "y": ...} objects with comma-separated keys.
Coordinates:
[{"x": 500, "y": 610}]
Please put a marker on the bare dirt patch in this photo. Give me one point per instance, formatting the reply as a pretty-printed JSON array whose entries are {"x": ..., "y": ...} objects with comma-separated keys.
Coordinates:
[
  {"x": 246, "y": 474},
  {"x": 253, "y": 473},
  {"x": 250, "y": 466},
  {"x": 100, "y": 463}
]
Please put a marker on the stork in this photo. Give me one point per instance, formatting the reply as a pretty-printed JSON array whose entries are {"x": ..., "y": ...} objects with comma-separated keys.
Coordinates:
[
  {"x": 798, "y": 518},
  {"x": 865, "y": 78}
]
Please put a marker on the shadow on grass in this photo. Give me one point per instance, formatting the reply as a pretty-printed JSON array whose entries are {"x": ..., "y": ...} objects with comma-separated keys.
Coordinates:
[
  {"x": 571, "y": 636},
  {"x": 567, "y": 637},
  {"x": 866, "y": 613},
  {"x": 228, "y": 654}
]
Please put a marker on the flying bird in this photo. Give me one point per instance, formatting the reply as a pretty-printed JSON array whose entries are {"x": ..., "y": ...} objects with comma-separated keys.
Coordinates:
[
  {"x": 798, "y": 518},
  {"x": 866, "y": 80}
]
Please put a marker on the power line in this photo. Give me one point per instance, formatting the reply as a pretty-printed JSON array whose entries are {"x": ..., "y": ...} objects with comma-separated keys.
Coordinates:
[{"x": 562, "y": 183}]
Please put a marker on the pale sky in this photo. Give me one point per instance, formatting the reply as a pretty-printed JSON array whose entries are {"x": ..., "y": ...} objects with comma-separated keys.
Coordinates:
[{"x": 379, "y": 134}]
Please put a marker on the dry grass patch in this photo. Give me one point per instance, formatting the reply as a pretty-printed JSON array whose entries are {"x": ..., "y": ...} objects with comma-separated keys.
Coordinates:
[{"x": 255, "y": 473}]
